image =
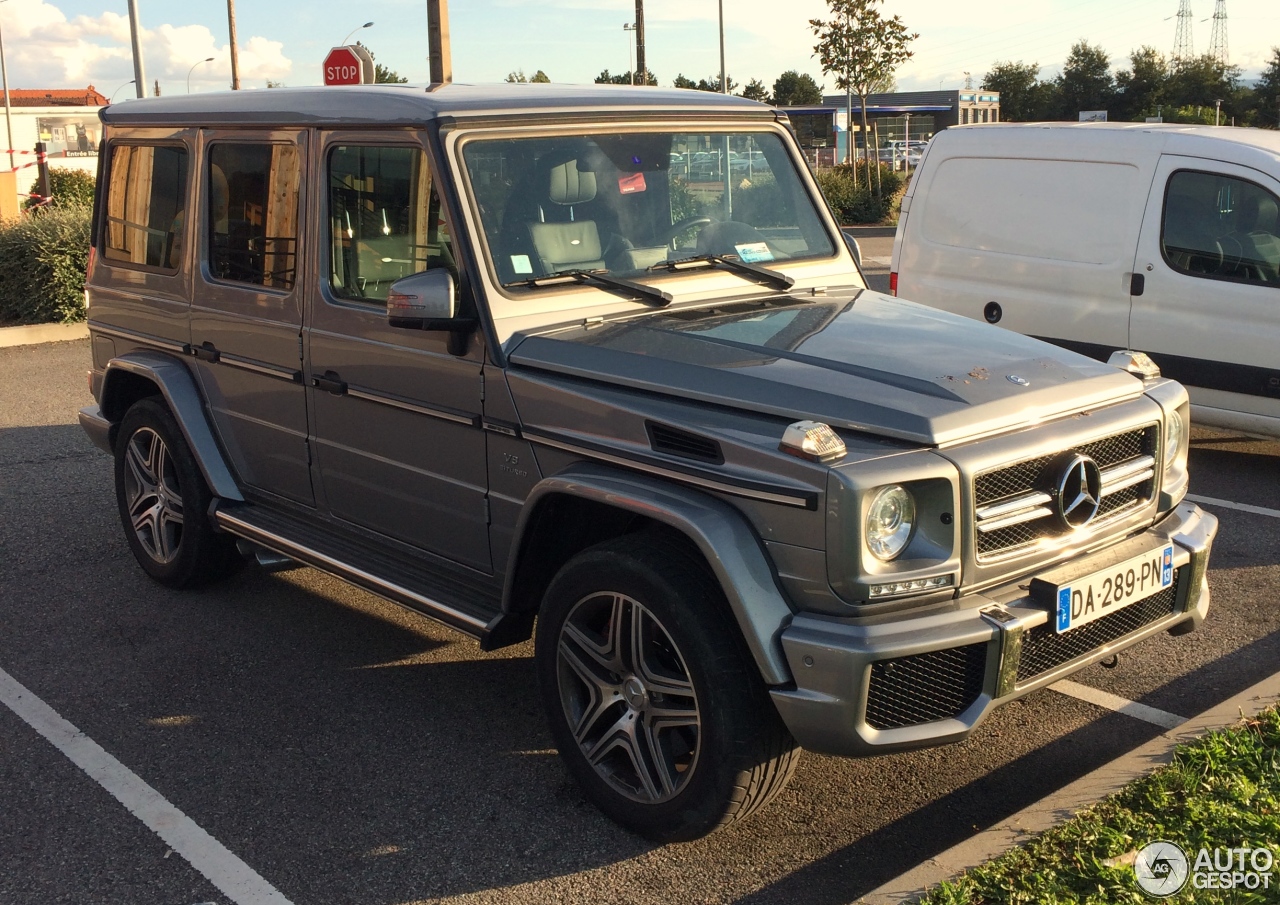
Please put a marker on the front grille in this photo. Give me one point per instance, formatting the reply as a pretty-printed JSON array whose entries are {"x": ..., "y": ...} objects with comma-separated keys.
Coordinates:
[
  {"x": 1044, "y": 649},
  {"x": 1038, "y": 477},
  {"x": 937, "y": 685}
]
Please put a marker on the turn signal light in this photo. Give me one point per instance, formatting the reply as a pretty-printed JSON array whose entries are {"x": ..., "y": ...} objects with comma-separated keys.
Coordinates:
[{"x": 812, "y": 440}]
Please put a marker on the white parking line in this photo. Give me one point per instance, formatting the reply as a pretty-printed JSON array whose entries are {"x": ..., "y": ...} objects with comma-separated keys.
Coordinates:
[
  {"x": 235, "y": 879},
  {"x": 1114, "y": 702},
  {"x": 1227, "y": 504}
]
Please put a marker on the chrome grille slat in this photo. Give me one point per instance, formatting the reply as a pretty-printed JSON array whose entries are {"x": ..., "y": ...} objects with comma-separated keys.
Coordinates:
[{"x": 1010, "y": 501}]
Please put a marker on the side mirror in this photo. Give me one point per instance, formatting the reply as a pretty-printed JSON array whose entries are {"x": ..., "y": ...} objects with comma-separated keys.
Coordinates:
[
  {"x": 423, "y": 301},
  {"x": 854, "y": 248}
]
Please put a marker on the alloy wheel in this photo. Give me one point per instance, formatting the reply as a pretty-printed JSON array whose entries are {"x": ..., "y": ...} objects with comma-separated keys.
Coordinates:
[{"x": 153, "y": 496}]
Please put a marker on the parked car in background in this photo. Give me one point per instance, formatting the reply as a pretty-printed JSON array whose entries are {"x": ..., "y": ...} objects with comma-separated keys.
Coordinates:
[{"x": 1106, "y": 236}]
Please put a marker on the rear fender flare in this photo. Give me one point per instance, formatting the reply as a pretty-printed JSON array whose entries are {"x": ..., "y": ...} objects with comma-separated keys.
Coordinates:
[
  {"x": 722, "y": 535},
  {"x": 178, "y": 387}
]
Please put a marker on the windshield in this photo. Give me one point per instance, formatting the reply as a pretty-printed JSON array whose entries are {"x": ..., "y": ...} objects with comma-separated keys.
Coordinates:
[{"x": 627, "y": 202}]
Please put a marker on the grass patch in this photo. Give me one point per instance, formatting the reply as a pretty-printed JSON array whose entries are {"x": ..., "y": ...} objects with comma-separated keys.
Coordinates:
[{"x": 1220, "y": 791}]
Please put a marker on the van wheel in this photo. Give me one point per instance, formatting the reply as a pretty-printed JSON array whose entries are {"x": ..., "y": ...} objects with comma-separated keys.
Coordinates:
[
  {"x": 164, "y": 502},
  {"x": 654, "y": 701}
]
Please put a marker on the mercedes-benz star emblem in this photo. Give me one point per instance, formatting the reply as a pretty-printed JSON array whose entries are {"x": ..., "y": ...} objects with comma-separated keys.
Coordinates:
[
  {"x": 1079, "y": 491},
  {"x": 1020, "y": 381}
]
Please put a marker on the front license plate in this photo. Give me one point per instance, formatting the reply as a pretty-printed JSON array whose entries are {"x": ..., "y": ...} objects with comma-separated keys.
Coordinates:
[{"x": 1113, "y": 588}]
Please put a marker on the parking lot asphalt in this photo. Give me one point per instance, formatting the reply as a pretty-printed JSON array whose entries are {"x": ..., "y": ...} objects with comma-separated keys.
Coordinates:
[{"x": 349, "y": 751}]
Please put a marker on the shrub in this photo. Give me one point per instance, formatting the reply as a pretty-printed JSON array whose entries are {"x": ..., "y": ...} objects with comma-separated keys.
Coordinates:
[
  {"x": 852, "y": 201},
  {"x": 43, "y": 257},
  {"x": 70, "y": 188}
]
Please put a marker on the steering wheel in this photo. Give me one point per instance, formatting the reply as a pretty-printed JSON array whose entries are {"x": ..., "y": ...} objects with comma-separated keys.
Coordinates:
[
  {"x": 1206, "y": 259},
  {"x": 677, "y": 228}
]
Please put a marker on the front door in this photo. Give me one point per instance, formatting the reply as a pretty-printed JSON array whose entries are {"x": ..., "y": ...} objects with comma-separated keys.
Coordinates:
[
  {"x": 246, "y": 310},
  {"x": 1209, "y": 310},
  {"x": 396, "y": 417}
]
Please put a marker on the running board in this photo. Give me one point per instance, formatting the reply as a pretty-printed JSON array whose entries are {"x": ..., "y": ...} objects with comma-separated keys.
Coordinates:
[{"x": 239, "y": 520}]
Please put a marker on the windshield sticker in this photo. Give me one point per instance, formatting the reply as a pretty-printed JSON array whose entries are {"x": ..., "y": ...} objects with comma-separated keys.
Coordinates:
[
  {"x": 521, "y": 264},
  {"x": 752, "y": 252},
  {"x": 630, "y": 183}
]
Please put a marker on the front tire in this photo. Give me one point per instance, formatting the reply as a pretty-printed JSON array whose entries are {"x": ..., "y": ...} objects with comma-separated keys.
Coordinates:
[
  {"x": 654, "y": 701},
  {"x": 164, "y": 502}
]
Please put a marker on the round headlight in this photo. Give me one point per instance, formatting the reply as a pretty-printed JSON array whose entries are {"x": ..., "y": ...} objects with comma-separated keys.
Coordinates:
[
  {"x": 891, "y": 517},
  {"x": 1173, "y": 431}
]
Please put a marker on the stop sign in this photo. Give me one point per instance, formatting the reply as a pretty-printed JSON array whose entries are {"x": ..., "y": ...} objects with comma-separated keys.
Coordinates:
[{"x": 342, "y": 67}]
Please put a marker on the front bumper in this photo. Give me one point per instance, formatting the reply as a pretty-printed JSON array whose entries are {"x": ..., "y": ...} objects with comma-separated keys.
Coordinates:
[{"x": 929, "y": 680}]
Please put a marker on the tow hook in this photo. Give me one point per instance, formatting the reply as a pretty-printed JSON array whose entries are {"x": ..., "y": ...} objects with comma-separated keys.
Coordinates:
[{"x": 1111, "y": 662}]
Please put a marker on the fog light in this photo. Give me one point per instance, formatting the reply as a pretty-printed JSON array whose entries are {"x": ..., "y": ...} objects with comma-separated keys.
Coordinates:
[{"x": 913, "y": 586}]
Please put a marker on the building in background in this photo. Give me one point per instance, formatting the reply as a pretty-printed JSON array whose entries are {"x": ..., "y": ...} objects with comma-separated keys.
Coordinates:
[{"x": 65, "y": 120}]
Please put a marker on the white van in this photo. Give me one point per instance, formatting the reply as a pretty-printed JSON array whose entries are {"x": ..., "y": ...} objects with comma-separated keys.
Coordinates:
[{"x": 1106, "y": 236}]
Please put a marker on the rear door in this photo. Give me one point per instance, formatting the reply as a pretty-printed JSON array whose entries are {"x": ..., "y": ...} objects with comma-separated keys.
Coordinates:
[
  {"x": 246, "y": 310},
  {"x": 1209, "y": 312}
]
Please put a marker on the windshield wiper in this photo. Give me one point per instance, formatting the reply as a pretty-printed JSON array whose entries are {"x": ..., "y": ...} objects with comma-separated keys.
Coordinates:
[
  {"x": 634, "y": 291},
  {"x": 737, "y": 265}
]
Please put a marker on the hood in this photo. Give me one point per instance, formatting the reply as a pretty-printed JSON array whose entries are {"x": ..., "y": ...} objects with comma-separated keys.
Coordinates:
[{"x": 869, "y": 363}]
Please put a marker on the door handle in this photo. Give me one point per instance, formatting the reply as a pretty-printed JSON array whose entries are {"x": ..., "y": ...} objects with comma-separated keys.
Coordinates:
[
  {"x": 206, "y": 351},
  {"x": 330, "y": 383},
  {"x": 1137, "y": 283}
]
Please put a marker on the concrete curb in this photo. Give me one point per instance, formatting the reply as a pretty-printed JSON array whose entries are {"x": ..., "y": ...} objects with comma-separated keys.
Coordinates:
[
  {"x": 1063, "y": 804},
  {"x": 882, "y": 232},
  {"x": 41, "y": 333}
]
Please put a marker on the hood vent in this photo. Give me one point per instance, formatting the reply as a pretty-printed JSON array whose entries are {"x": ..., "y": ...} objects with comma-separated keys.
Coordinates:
[{"x": 675, "y": 442}]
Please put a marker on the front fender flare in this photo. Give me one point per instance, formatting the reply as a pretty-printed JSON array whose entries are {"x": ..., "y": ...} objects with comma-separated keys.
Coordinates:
[
  {"x": 178, "y": 386},
  {"x": 719, "y": 531}
]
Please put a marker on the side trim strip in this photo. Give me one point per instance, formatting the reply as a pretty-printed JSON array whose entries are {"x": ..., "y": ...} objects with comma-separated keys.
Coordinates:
[
  {"x": 770, "y": 493},
  {"x": 144, "y": 338},
  {"x": 388, "y": 589},
  {"x": 416, "y": 407},
  {"x": 245, "y": 364}
]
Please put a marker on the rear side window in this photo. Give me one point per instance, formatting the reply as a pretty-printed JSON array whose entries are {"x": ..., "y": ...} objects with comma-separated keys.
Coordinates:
[
  {"x": 385, "y": 220},
  {"x": 1220, "y": 227},
  {"x": 253, "y": 213},
  {"x": 146, "y": 220}
]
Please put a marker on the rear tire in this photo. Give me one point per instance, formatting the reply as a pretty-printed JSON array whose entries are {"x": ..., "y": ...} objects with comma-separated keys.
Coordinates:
[
  {"x": 655, "y": 704},
  {"x": 164, "y": 502}
]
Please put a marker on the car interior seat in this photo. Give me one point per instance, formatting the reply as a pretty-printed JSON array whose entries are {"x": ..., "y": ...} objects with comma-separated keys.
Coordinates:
[
  {"x": 1262, "y": 243},
  {"x": 560, "y": 239}
]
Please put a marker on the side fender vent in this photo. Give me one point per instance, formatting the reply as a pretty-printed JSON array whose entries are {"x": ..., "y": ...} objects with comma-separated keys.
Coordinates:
[{"x": 675, "y": 442}]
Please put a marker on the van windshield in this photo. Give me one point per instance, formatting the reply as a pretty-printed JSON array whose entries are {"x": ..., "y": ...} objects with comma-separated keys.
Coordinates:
[{"x": 626, "y": 202}]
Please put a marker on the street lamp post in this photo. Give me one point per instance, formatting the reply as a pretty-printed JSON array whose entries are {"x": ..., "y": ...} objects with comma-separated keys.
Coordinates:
[
  {"x": 4, "y": 74},
  {"x": 1217, "y": 112},
  {"x": 630, "y": 28},
  {"x": 353, "y": 31},
  {"x": 117, "y": 91},
  {"x": 139, "y": 73},
  {"x": 193, "y": 69},
  {"x": 724, "y": 79}
]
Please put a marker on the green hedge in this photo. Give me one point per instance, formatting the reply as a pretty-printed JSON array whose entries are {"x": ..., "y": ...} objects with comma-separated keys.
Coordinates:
[
  {"x": 43, "y": 257},
  {"x": 852, "y": 201},
  {"x": 69, "y": 188}
]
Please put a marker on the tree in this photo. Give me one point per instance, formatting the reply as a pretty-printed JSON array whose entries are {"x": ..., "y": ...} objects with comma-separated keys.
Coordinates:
[
  {"x": 624, "y": 78},
  {"x": 1202, "y": 82},
  {"x": 683, "y": 81},
  {"x": 1085, "y": 82},
  {"x": 794, "y": 88},
  {"x": 539, "y": 76},
  {"x": 1266, "y": 96},
  {"x": 1142, "y": 89},
  {"x": 860, "y": 48},
  {"x": 384, "y": 76},
  {"x": 1022, "y": 94},
  {"x": 756, "y": 91}
]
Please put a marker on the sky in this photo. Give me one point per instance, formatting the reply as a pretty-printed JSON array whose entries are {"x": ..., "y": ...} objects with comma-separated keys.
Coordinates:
[{"x": 74, "y": 43}]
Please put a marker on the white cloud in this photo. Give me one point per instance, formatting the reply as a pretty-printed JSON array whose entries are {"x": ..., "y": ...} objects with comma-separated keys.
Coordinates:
[{"x": 46, "y": 50}]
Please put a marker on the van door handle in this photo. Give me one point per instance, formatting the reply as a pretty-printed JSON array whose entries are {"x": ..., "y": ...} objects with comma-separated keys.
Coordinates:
[
  {"x": 1137, "y": 283},
  {"x": 330, "y": 383},
  {"x": 206, "y": 351}
]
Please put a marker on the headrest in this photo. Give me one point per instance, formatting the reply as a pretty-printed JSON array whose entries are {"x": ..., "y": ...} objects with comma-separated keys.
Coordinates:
[
  {"x": 569, "y": 185},
  {"x": 1264, "y": 215}
]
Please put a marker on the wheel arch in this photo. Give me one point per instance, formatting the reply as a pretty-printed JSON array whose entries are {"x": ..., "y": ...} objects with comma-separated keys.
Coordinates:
[
  {"x": 137, "y": 375},
  {"x": 600, "y": 503}
]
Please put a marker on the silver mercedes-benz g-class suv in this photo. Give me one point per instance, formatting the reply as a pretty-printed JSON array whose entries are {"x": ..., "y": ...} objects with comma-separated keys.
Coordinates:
[{"x": 601, "y": 359}]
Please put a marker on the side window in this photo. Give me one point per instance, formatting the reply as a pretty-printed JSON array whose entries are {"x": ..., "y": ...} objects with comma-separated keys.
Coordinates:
[
  {"x": 385, "y": 220},
  {"x": 253, "y": 213},
  {"x": 145, "y": 199},
  {"x": 1221, "y": 227}
]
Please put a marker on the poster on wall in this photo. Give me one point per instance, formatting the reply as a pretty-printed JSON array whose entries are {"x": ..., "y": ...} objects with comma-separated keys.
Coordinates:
[{"x": 70, "y": 136}]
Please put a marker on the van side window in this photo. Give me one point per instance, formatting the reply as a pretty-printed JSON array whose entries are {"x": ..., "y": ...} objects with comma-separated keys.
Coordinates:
[
  {"x": 145, "y": 199},
  {"x": 253, "y": 213},
  {"x": 385, "y": 220},
  {"x": 1221, "y": 227}
]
